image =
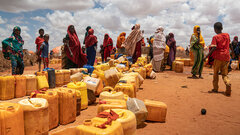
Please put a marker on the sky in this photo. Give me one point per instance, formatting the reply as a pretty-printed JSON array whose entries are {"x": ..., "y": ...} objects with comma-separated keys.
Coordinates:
[{"x": 116, "y": 16}]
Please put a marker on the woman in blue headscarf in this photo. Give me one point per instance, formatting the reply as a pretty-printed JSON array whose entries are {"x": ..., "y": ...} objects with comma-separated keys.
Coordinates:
[{"x": 13, "y": 50}]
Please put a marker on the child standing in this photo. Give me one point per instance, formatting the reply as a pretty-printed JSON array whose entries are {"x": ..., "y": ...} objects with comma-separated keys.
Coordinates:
[
  {"x": 39, "y": 40},
  {"x": 221, "y": 55},
  {"x": 45, "y": 48}
]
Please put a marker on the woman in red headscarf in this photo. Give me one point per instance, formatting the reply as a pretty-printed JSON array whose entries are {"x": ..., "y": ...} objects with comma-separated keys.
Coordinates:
[
  {"x": 73, "y": 50},
  {"x": 107, "y": 45},
  {"x": 91, "y": 45}
]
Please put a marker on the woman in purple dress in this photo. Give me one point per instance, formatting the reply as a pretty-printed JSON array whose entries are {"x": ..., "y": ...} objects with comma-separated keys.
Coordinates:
[{"x": 172, "y": 49}]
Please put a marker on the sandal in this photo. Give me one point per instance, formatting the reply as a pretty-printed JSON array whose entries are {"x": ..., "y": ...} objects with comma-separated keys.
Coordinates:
[{"x": 213, "y": 91}]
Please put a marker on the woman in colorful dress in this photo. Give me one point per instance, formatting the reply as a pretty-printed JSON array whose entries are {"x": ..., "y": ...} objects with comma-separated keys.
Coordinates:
[
  {"x": 13, "y": 50},
  {"x": 197, "y": 45}
]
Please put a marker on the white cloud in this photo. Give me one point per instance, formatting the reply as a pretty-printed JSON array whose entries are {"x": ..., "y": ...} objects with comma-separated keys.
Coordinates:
[
  {"x": 2, "y": 21},
  {"x": 30, "y": 5},
  {"x": 116, "y": 16},
  {"x": 38, "y": 18}
]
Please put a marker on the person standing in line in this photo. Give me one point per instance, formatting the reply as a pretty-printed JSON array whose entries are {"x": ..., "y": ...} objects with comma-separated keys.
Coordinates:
[
  {"x": 45, "y": 49},
  {"x": 107, "y": 45},
  {"x": 220, "y": 51},
  {"x": 171, "y": 42},
  {"x": 159, "y": 46},
  {"x": 86, "y": 33},
  {"x": 91, "y": 46},
  {"x": 197, "y": 45},
  {"x": 235, "y": 48},
  {"x": 166, "y": 53},
  {"x": 120, "y": 40},
  {"x": 39, "y": 40},
  {"x": 12, "y": 49},
  {"x": 133, "y": 43},
  {"x": 73, "y": 49}
]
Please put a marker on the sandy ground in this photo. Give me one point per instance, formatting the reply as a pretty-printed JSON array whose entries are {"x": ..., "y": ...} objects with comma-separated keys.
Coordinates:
[{"x": 185, "y": 98}]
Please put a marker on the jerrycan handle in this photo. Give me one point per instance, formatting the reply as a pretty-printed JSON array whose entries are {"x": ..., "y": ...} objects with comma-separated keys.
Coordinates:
[{"x": 108, "y": 88}]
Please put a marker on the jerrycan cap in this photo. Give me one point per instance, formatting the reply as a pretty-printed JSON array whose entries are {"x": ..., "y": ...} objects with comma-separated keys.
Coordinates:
[
  {"x": 87, "y": 122},
  {"x": 10, "y": 108},
  {"x": 50, "y": 93},
  {"x": 38, "y": 105}
]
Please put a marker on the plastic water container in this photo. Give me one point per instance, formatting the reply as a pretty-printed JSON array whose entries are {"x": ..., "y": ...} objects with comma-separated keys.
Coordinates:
[
  {"x": 31, "y": 84},
  {"x": 67, "y": 105},
  {"x": 82, "y": 87},
  {"x": 36, "y": 117},
  {"x": 42, "y": 82},
  {"x": 112, "y": 77},
  {"x": 76, "y": 77},
  {"x": 127, "y": 119},
  {"x": 92, "y": 83},
  {"x": 21, "y": 86},
  {"x": 52, "y": 98},
  {"x": 51, "y": 77},
  {"x": 111, "y": 94},
  {"x": 179, "y": 67},
  {"x": 89, "y": 127},
  {"x": 112, "y": 104},
  {"x": 7, "y": 87},
  {"x": 138, "y": 108},
  {"x": 66, "y": 75},
  {"x": 59, "y": 78},
  {"x": 41, "y": 73},
  {"x": 126, "y": 88},
  {"x": 11, "y": 119},
  {"x": 157, "y": 111}
]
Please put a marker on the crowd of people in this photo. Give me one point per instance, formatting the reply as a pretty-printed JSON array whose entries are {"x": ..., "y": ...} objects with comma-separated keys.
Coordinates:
[{"x": 162, "y": 50}]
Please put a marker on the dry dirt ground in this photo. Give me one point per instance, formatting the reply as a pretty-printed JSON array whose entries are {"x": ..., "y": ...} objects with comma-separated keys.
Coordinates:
[{"x": 185, "y": 98}]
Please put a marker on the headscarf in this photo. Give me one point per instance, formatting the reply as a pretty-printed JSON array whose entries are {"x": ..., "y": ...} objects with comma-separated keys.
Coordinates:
[
  {"x": 90, "y": 39},
  {"x": 160, "y": 29},
  {"x": 78, "y": 57},
  {"x": 171, "y": 41},
  {"x": 132, "y": 39},
  {"x": 235, "y": 38},
  {"x": 13, "y": 45},
  {"x": 195, "y": 33},
  {"x": 107, "y": 41},
  {"x": 86, "y": 33},
  {"x": 236, "y": 45},
  {"x": 121, "y": 39},
  {"x": 159, "y": 38}
]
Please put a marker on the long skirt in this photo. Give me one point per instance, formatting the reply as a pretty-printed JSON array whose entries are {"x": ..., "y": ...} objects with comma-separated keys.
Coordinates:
[
  {"x": 137, "y": 52},
  {"x": 107, "y": 51},
  {"x": 158, "y": 56},
  {"x": 171, "y": 56},
  {"x": 198, "y": 62},
  {"x": 67, "y": 63},
  {"x": 91, "y": 55},
  {"x": 17, "y": 66}
]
